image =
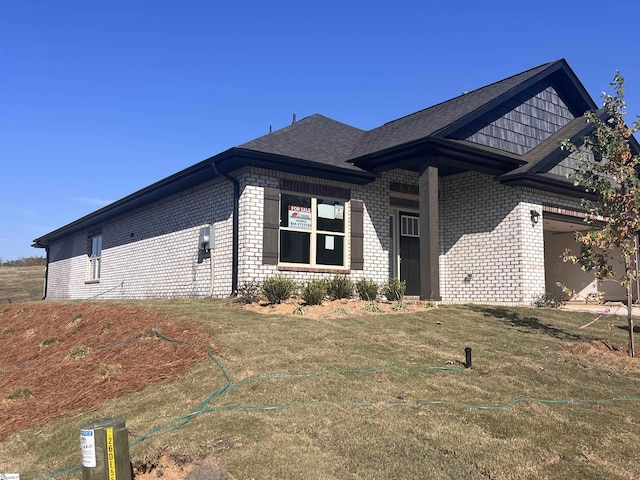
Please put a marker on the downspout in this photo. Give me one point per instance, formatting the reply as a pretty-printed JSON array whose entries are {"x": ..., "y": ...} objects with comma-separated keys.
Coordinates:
[
  {"x": 236, "y": 208},
  {"x": 46, "y": 274}
]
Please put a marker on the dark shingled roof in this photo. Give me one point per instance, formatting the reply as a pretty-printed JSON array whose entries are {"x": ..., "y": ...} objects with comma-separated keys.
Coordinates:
[
  {"x": 315, "y": 138},
  {"x": 331, "y": 143},
  {"x": 432, "y": 120}
]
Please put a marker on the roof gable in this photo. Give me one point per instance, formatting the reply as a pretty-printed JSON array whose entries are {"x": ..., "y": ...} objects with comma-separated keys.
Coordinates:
[
  {"x": 445, "y": 119},
  {"x": 522, "y": 122}
]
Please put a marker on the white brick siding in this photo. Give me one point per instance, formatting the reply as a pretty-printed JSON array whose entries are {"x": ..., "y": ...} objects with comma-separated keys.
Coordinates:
[
  {"x": 490, "y": 251},
  {"x": 153, "y": 251}
]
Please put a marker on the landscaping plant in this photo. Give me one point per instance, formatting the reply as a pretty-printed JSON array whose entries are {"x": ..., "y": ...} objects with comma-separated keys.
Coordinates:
[{"x": 278, "y": 288}]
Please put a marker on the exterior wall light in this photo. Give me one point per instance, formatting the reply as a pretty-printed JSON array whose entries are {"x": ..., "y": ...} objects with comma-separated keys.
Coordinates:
[{"x": 535, "y": 216}]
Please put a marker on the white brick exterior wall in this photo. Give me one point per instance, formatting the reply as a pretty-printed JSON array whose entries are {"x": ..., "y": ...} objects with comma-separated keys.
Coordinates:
[
  {"x": 152, "y": 252},
  {"x": 490, "y": 252}
]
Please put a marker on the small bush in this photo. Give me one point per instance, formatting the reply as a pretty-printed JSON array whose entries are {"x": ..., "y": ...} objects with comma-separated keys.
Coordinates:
[
  {"x": 341, "y": 311},
  {"x": 372, "y": 306},
  {"x": 393, "y": 289},
  {"x": 339, "y": 287},
  {"x": 549, "y": 300},
  {"x": 278, "y": 288},
  {"x": 299, "y": 310},
  {"x": 249, "y": 292},
  {"x": 314, "y": 292},
  {"x": 400, "y": 306},
  {"x": 367, "y": 289}
]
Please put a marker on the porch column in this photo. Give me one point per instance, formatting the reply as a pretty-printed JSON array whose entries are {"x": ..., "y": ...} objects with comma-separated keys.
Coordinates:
[{"x": 429, "y": 234}]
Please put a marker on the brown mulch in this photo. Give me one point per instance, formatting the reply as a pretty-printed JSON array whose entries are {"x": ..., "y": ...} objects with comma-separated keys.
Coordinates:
[
  {"x": 334, "y": 308},
  {"x": 40, "y": 380}
]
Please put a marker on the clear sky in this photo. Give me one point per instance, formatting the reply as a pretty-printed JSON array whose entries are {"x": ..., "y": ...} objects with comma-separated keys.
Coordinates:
[{"x": 100, "y": 99}]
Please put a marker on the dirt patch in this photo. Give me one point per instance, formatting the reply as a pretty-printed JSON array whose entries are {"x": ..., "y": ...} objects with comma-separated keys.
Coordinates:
[
  {"x": 602, "y": 353},
  {"x": 59, "y": 358},
  {"x": 170, "y": 468},
  {"x": 337, "y": 308}
]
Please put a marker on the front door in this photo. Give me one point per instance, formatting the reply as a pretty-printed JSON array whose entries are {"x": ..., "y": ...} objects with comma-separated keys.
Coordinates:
[{"x": 410, "y": 251}]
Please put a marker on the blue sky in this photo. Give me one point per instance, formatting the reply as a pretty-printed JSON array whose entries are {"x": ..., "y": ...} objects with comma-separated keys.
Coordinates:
[{"x": 100, "y": 99}]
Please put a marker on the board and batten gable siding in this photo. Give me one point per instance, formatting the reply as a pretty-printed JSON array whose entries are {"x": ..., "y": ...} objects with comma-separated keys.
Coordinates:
[
  {"x": 153, "y": 251},
  {"x": 521, "y": 123}
]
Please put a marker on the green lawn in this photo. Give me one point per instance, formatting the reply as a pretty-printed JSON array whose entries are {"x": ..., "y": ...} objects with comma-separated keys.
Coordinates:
[{"x": 379, "y": 397}]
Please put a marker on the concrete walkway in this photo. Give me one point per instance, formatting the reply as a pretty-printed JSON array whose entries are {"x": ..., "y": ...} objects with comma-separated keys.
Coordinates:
[{"x": 610, "y": 308}]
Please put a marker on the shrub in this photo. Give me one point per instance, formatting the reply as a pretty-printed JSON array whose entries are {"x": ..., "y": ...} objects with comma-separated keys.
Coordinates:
[
  {"x": 393, "y": 289},
  {"x": 400, "y": 306},
  {"x": 341, "y": 311},
  {"x": 278, "y": 288},
  {"x": 314, "y": 292},
  {"x": 249, "y": 292},
  {"x": 372, "y": 306},
  {"x": 367, "y": 289},
  {"x": 339, "y": 287},
  {"x": 299, "y": 310},
  {"x": 549, "y": 300}
]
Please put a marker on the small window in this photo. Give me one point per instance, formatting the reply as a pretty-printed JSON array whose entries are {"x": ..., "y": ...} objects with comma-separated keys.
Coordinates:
[
  {"x": 93, "y": 271},
  {"x": 409, "y": 226}
]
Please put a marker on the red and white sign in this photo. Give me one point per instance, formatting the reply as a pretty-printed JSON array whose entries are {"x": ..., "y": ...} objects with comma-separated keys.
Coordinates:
[{"x": 300, "y": 217}]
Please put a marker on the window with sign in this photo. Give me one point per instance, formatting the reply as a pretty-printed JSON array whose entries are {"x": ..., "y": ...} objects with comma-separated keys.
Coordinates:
[{"x": 312, "y": 230}]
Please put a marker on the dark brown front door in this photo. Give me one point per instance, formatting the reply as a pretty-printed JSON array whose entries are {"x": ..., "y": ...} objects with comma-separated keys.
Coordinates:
[{"x": 410, "y": 251}]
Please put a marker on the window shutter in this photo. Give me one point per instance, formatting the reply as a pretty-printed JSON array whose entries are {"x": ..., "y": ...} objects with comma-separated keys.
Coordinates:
[
  {"x": 357, "y": 235},
  {"x": 271, "y": 226}
]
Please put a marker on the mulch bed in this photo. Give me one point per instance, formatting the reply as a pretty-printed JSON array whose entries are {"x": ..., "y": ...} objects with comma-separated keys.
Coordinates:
[{"x": 44, "y": 374}]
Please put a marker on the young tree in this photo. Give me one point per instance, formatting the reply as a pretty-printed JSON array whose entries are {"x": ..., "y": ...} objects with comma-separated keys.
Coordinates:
[{"x": 608, "y": 168}]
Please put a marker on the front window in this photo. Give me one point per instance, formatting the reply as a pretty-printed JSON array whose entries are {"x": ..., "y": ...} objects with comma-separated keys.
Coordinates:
[
  {"x": 312, "y": 231},
  {"x": 95, "y": 255}
]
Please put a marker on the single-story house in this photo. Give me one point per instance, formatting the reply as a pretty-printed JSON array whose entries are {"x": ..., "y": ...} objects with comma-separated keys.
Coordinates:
[{"x": 467, "y": 201}]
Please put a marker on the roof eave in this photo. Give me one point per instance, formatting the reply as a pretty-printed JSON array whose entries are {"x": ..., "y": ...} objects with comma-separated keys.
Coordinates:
[
  {"x": 547, "y": 182},
  {"x": 457, "y": 154},
  {"x": 244, "y": 157},
  {"x": 225, "y": 162}
]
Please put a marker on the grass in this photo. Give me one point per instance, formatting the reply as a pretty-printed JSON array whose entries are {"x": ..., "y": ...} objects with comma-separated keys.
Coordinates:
[
  {"x": 79, "y": 352},
  {"x": 21, "y": 284},
  {"x": 312, "y": 398}
]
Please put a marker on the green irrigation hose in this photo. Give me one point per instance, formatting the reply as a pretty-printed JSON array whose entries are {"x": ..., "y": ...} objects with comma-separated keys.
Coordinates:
[{"x": 204, "y": 408}]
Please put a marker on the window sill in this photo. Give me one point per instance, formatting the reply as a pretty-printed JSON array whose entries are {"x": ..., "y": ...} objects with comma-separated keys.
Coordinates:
[
  {"x": 337, "y": 270},
  {"x": 89, "y": 282}
]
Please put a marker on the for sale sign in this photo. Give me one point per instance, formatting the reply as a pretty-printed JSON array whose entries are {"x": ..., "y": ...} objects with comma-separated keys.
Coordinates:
[{"x": 299, "y": 217}]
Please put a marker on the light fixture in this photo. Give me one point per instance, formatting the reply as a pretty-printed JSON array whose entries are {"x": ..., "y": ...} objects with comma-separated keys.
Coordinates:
[{"x": 535, "y": 216}]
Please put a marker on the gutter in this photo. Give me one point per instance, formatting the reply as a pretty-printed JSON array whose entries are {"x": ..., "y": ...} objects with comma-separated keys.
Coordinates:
[{"x": 236, "y": 208}]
